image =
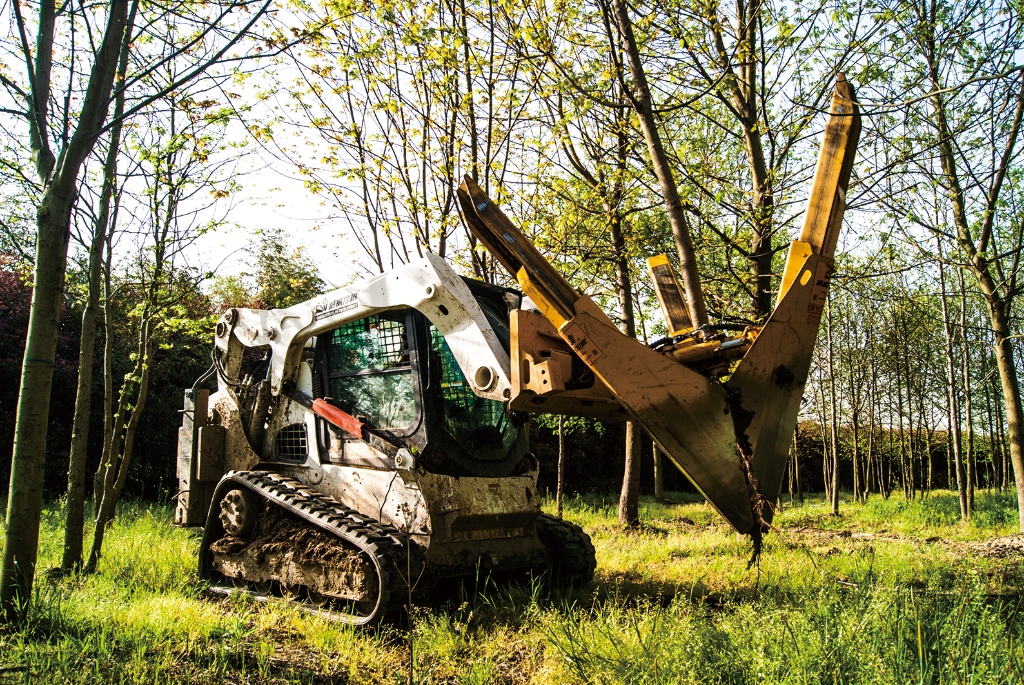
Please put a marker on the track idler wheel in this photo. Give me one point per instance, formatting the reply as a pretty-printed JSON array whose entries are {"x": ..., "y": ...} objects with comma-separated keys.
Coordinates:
[{"x": 240, "y": 512}]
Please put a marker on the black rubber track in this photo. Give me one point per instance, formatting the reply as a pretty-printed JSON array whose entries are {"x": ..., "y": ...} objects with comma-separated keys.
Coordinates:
[
  {"x": 571, "y": 558},
  {"x": 382, "y": 544}
]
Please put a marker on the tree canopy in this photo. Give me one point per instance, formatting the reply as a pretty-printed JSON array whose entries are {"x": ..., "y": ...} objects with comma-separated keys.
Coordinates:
[{"x": 609, "y": 131}]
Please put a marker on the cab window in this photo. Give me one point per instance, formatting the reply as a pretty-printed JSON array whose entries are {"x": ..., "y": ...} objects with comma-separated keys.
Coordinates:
[
  {"x": 472, "y": 421},
  {"x": 369, "y": 371}
]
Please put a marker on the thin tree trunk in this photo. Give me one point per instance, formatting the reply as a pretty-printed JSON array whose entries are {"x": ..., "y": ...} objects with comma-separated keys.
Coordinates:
[
  {"x": 108, "y": 375},
  {"x": 991, "y": 436},
  {"x": 789, "y": 478},
  {"x": 796, "y": 470},
  {"x": 25, "y": 497},
  {"x": 929, "y": 434},
  {"x": 75, "y": 511},
  {"x": 741, "y": 83},
  {"x": 885, "y": 465},
  {"x": 824, "y": 425},
  {"x": 629, "y": 500},
  {"x": 659, "y": 476},
  {"x": 561, "y": 466},
  {"x": 74, "y": 518},
  {"x": 120, "y": 461},
  {"x": 855, "y": 456},
  {"x": 953, "y": 409},
  {"x": 792, "y": 469},
  {"x": 911, "y": 433},
  {"x": 969, "y": 457},
  {"x": 903, "y": 441},
  {"x": 980, "y": 261},
  {"x": 1000, "y": 423},
  {"x": 871, "y": 429},
  {"x": 642, "y": 103},
  {"x": 833, "y": 418},
  {"x": 629, "y": 503}
]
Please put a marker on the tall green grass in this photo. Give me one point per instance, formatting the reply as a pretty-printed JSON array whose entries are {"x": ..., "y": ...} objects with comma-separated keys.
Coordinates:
[
  {"x": 673, "y": 603},
  {"x": 874, "y": 635}
]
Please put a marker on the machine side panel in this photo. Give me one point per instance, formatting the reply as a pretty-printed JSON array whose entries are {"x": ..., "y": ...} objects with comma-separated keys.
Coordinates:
[
  {"x": 193, "y": 494},
  {"x": 392, "y": 497}
]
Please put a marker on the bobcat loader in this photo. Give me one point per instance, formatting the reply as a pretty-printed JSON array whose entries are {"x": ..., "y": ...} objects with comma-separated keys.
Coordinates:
[{"x": 375, "y": 437}]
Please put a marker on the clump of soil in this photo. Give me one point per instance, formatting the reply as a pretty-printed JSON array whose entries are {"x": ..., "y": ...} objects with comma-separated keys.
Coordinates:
[
  {"x": 1000, "y": 548},
  {"x": 279, "y": 532}
]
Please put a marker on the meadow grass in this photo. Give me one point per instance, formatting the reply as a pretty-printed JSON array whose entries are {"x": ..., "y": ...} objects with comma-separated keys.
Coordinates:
[{"x": 888, "y": 592}]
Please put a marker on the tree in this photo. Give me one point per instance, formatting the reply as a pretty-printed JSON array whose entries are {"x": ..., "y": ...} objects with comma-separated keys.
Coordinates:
[
  {"x": 956, "y": 127},
  {"x": 59, "y": 176},
  {"x": 760, "y": 72},
  {"x": 184, "y": 168},
  {"x": 953, "y": 407},
  {"x": 404, "y": 98},
  {"x": 102, "y": 235},
  {"x": 283, "y": 277},
  {"x": 62, "y": 132},
  {"x": 639, "y": 94}
]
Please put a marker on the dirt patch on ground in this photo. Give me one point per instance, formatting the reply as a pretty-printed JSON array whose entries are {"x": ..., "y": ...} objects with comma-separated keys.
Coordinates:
[
  {"x": 1000, "y": 548},
  {"x": 824, "y": 540}
]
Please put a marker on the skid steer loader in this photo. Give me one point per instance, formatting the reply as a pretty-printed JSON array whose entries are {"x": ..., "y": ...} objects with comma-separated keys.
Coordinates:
[{"x": 375, "y": 437}]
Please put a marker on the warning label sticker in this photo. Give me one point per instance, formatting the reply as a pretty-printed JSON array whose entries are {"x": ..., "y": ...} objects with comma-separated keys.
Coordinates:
[
  {"x": 327, "y": 308},
  {"x": 581, "y": 344},
  {"x": 819, "y": 292}
]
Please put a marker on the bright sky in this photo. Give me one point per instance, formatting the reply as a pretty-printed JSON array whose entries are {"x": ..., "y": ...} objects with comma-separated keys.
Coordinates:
[{"x": 272, "y": 200}]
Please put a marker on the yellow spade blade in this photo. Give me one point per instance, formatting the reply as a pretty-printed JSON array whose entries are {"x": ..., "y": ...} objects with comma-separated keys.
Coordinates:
[
  {"x": 670, "y": 295},
  {"x": 768, "y": 385}
]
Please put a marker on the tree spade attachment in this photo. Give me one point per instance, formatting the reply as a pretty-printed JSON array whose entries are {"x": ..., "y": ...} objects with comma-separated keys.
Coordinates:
[{"x": 728, "y": 432}]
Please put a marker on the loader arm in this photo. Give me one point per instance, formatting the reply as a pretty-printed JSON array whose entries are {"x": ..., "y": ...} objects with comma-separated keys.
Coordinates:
[
  {"x": 731, "y": 439},
  {"x": 429, "y": 285}
]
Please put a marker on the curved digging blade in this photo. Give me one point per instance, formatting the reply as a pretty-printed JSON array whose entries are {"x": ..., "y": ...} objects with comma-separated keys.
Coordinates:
[
  {"x": 768, "y": 385},
  {"x": 687, "y": 414}
]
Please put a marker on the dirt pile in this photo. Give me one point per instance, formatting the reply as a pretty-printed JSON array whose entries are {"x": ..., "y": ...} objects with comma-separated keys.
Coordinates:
[
  {"x": 1000, "y": 548},
  {"x": 820, "y": 539}
]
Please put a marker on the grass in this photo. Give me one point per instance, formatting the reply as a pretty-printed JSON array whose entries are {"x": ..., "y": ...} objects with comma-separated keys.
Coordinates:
[{"x": 888, "y": 592}]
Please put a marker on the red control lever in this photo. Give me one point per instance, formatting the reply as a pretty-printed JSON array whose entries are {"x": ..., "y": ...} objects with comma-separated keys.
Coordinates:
[{"x": 338, "y": 417}]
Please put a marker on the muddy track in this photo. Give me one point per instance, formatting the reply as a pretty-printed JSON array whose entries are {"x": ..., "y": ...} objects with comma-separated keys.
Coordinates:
[{"x": 380, "y": 545}]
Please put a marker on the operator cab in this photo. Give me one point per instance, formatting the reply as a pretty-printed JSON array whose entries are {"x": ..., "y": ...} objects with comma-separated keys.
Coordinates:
[{"x": 395, "y": 371}]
